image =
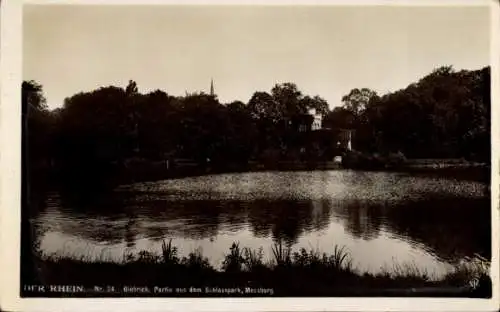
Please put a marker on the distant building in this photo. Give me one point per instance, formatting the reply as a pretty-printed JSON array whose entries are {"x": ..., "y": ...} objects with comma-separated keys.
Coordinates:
[
  {"x": 317, "y": 119},
  {"x": 301, "y": 122},
  {"x": 311, "y": 121},
  {"x": 345, "y": 138}
]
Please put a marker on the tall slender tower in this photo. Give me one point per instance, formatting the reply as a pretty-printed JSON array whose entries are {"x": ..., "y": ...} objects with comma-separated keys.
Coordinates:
[{"x": 212, "y": 93}]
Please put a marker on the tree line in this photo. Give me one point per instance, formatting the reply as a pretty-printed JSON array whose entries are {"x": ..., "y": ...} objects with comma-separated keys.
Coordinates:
[{"x": 446, "y": 114}]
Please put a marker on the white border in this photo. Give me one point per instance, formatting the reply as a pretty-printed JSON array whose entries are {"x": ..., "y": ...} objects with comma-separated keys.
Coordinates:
[
  {"x": 271, "y": 2},
  {"x": 10, "y": 138}
]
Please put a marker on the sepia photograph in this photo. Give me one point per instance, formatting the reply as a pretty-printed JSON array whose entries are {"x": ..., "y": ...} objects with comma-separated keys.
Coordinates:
[{"x": 256, "y": 151}]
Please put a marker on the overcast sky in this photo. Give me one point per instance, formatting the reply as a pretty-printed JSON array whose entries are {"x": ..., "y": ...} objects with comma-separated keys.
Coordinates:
[{"x": 326, "y": 51}]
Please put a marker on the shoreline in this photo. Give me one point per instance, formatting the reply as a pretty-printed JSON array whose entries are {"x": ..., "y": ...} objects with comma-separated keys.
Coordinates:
[
  {"x": 301, "y": 273},
  {"x": 157, "y": 170}
]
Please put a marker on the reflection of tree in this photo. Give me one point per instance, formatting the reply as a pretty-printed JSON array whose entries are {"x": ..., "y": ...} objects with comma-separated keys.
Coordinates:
[
  {"x": 260, "y": 220},
  {"x": 320, "y": 214},
  {"x": 234, "y": 216},
  {"x": 93, "y": 202},
  {"x": 186, "y": 218},
  {"x": 32, "y": 204},
  {"x": 363, "y": 219},
  {"x": 126, "y": 218},
  {"x": 285, "y": 220},
  {"x": 130, "y": 231},
  {"x": 288, "y": 226},
  {"x": 91, "y": 228},
  {"x": 97, "y": 216},
  {"x": 451, "y": 227}
]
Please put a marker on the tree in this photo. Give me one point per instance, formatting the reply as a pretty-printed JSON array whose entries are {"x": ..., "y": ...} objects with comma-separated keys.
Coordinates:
[
  {"x": 203, "y": 124},
  {"x": 285, "y": 102},
  {"x": 289, "y": 99},
  {"x": 263, "y": 106},
  {"x": 157, "y": 119},
  {"x": 37, "y": 125},
  {"x": 95, "y": 127},
  {"x": 443, "y": 115},
  {"x": 315, "y": 102},
  {"x": 34, "y": 152},
  {"x": 32, "y": 97},
  {"x": 238, "y": 105},
  {"x": 357, "y": 100},
  {"x": 241, "y": 134},
  {"x": 132, "y": 93},
  {"x": 339, "y": 118},
  {"x": 131, "y": 88}
]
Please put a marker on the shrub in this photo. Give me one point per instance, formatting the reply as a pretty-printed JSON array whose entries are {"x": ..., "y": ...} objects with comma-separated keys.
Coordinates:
[
  {"x": 195, "y": 260},
  {"x": 234, "y": 260},
  {"x": 396, "y": 159},
  {"x": 147, "y": 257},
  {"x": 358, "y": 160},
  {"x": 467, "y": 271}
]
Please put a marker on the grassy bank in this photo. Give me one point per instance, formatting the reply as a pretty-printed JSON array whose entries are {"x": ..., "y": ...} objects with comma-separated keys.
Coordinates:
[
  {"x": 359, "y": 160},
  {"x": 398, "y": 162},
  {"x": 299, "y": 273}
]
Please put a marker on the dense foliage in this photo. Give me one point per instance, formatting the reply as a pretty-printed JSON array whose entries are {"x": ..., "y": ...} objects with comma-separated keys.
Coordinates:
[{"x": 446, "y": 114}]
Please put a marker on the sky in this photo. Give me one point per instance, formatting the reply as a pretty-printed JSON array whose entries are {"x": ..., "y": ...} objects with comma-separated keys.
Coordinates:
[{"x": 325, "y": 50}]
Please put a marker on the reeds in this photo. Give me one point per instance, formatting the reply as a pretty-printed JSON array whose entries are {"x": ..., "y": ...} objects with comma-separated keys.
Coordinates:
[
  {"x": 254, "y": 259},
  {"x": 234, "y": 261},
  {"x": 169, "y": 253},
  {"x": 468, "y": 270},
  {"x": 307, "y": 266},
  {"x": 196, "y": 261},
  {"x": 340, "y": 260},
  {"x": 281, "y": 254},
  {"x": 405, "y": 271}
]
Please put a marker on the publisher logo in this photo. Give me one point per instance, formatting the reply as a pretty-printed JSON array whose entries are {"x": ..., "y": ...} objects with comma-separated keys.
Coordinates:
[{"x": 474, "y": 283}]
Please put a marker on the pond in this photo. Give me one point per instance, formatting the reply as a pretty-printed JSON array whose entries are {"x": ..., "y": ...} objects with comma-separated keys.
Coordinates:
[{"x": 382, "y": 218}]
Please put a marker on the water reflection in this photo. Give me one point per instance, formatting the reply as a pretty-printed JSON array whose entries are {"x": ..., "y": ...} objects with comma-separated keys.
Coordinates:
[
  {"x": 442, "y": 217},
  {"x": 361, "y": 219}
]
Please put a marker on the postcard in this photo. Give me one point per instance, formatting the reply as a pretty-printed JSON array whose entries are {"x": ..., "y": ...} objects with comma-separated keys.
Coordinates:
[{"x": 236, "y": 156}]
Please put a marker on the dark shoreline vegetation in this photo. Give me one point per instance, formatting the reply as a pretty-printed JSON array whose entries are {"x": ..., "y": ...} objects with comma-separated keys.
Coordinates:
[
  {"x": 288, "y": 273},
  {"x": 111, "y": 136},
  {"x": 115, "y": 134}
]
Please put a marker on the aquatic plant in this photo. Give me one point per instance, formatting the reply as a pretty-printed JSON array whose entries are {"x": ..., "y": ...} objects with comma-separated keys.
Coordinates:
[
  {"x": 468, "y": 270},
  {"x": 196, "y": 260},
  {"x": 254, "y": 259},
  {"x": 169, "y": 253},
  {"x": 233, "y": 261},
  {"x": 281, "y": 254},
  {"x": 405, "y": 271},
  {"x": 287, "y": 271},
  {"x": 340, "y": 258}
]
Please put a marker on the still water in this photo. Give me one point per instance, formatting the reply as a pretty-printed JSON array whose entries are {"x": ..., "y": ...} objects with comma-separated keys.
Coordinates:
[{"x": 381, "y": 218}]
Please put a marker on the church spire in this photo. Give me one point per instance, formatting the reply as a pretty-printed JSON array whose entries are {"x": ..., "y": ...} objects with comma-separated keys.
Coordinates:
[{"x": 212, "y": 87}]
